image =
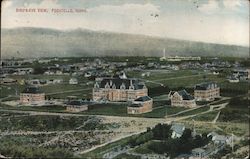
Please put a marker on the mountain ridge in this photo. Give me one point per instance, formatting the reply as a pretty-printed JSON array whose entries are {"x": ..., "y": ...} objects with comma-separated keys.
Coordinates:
[{"x": 47, "y": 42}]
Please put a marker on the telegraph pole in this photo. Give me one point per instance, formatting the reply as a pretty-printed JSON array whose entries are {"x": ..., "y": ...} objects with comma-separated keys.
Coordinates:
[{"x": 232, "y": 143}]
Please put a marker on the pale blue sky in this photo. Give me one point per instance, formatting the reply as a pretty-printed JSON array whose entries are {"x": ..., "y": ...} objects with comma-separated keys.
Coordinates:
[{"x": 215, "y": 21}]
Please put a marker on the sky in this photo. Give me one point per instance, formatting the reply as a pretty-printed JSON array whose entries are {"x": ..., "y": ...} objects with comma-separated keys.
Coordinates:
[{"x": 213, "y": 21}]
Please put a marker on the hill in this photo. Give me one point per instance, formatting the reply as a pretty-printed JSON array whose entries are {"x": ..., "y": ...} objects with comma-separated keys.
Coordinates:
[{"x": 43, "y": 42}]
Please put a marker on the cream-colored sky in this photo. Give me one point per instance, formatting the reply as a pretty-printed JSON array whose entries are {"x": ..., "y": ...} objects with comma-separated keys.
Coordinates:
[{"x": 215, "y": 21}]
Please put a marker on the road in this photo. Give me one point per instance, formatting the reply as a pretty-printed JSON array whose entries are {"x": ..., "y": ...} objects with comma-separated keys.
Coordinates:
[{"x": 115, "y": 118}]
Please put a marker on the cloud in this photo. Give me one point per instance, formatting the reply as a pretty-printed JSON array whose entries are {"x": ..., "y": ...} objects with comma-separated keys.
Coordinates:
[
  {"x": 126, "y": 9},
  {"x": 210, "y": 7},
  {"x": 44, "y": 4},
  {"x": 232, "y": 4}
]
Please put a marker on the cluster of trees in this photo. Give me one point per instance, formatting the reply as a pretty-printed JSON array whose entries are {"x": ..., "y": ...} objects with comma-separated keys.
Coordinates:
[
  {"x": 17, "y": 151},
  {"x": 182, "y": 145},
  {"x": 232, "y": 92},
  {"x": 49, "y": 123},
  {"x": 238, "y": 102},
  {"x": 167, "y": 145},
  {"x": 237, "y": 107}
]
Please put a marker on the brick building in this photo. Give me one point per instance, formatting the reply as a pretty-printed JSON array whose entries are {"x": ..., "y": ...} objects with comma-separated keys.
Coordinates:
[
  {"x": 76, "y": 106},
  {"x": 140, "y": 105},
  {"x": 206, "y": 91},
  {"x": 32, "y": 96},
  {"x": 117, "y": 89},
  {"x": 181, "y": 99}
]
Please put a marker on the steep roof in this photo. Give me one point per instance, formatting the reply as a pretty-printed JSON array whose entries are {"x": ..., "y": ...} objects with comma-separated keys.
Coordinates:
[
  {"x": 185, "y": 95},
  {"x": 205, "y": 86},
  {"x": 178, "y": 128},
  {"x": 32, "y": 90},
  {"x": 143, "y": 99},
  {"x": 118, "y": 82}
]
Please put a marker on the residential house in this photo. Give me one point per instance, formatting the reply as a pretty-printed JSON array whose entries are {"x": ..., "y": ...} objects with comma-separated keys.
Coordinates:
[
  {"x": 177, "y": 130},
  {"x": 140, "y": 105},
  {"x": 220, "y": 139},
  {"x": 242, "y": 73},
  {"x": 73, "y": 81},
  {"x": 207, "y": 91},
  {"x": 181, "y": 99}
]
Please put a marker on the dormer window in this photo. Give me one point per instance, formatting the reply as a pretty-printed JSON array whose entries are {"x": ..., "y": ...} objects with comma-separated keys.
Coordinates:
[
  {"x": 122, "y": 86},
  {"x": 96, "y": 85},
  {"x": 107, "y": 85},
  {"x": 131, "y": 85}
]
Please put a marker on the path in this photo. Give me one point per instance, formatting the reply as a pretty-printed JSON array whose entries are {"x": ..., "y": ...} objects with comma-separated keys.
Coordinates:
[
  {"x": 216, "y": 118},
  {"x": 69, "y": 91}
]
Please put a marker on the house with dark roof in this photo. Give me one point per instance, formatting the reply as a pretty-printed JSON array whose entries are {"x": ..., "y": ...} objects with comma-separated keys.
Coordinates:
[
  {"x": 118, "y": 89},
  {"x": 32, "y": 95},
  {"x": 207, "y": 91},
  {"x": 181, "y": 99},
  {"x": 76, "y": 106},
  {"x": 140, "y": 105}
]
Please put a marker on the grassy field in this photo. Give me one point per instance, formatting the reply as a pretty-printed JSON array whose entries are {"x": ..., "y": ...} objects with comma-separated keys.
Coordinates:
[
  {"x": 195, "y": 111},
  {"x": 99, "y": 152},
  {"x": 22, "y": 122},
  {"x": 143, "y": 149},
  {"x": 205, "y": 117}
]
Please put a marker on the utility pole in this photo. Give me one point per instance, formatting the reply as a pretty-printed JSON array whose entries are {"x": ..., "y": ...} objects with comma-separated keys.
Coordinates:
[{"x": 232, "y": 143}]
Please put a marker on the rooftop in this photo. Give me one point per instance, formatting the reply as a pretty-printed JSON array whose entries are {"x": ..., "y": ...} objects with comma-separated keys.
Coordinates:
[
  {"x": 185, "y": 95},
  {"x": 32, "y": 90},
  {"x": 206, "y": 86},
  {"x": 118, "y": 82},
  {"x": 76, "y": 103},
  {"x": 143, "y": 99}
]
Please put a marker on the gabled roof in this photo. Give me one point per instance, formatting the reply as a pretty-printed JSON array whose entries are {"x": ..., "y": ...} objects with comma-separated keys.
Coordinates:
[
  {"x": 32, "y": 90},
  {"x": 185, "y": 95},
  {"x": 178, "y": 128},
  {"x": 118, "y": 82},
  {"x": 205, "y": 86},
  {"x": 143, "y": 99}
]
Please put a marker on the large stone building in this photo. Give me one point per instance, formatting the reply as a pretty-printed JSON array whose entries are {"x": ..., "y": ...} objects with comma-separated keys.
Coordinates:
[
  {"x": 32, "y": 96},
  {"x": 140, "y": 105},
  {"x": 181, "y": 99},
  {"x": 206, "y": 91},
  {"x": 117, "y": 89}
]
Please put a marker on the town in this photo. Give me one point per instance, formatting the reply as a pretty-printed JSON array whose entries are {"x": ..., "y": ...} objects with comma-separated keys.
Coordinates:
[{"x": 133, "y": 107}]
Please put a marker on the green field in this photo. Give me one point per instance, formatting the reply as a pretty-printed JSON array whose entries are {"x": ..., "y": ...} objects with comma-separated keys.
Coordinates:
[
  {"x": 195, "y": 111},
  {"x": 205, "y": 117}
]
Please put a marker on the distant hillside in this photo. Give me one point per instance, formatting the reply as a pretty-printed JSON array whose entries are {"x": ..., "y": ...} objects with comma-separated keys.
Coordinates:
[{"x": 40, "y": 42}]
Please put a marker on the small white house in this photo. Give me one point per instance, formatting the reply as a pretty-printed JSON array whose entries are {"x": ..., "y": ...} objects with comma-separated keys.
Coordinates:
[
  {"x": 73, "y": 81},
  {"x": 233, "y": 80},
  {"x": 177, "y": 129}
]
